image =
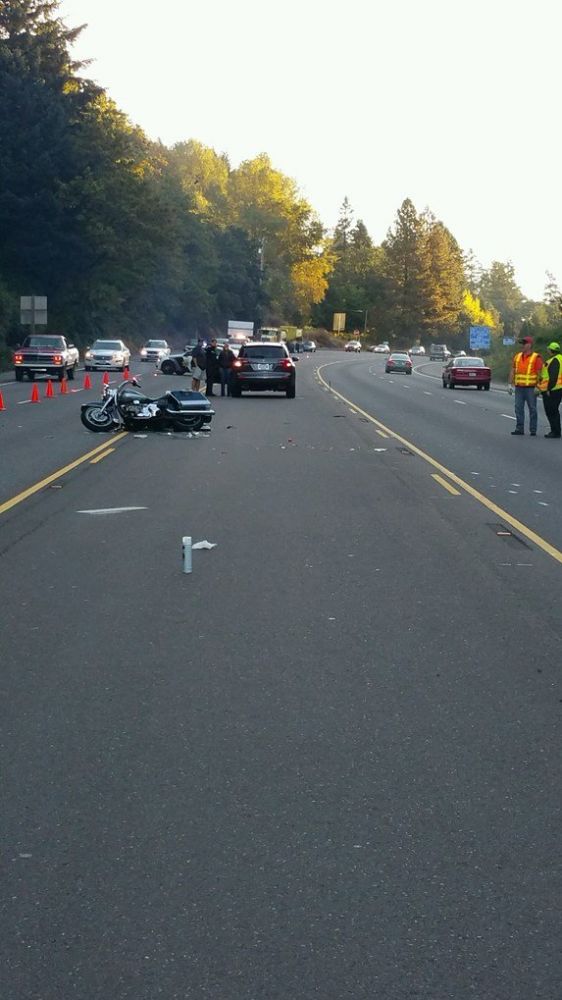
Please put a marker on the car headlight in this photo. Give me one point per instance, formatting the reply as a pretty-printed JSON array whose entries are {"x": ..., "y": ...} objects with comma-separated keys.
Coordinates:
[
  {"x": 143, "y": 352},
  {"x": 88, "y": 354}
]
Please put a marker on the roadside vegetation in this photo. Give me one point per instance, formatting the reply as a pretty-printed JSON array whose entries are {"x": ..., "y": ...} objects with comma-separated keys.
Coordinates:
[{"x": 130, "y": 238}]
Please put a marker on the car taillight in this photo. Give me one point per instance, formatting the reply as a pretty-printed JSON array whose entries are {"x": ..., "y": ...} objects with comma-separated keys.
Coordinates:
[
  {"x": 18, "y": 358},
  {"x": 287, "y": 363},
  {"x": 240, "y": 363}
]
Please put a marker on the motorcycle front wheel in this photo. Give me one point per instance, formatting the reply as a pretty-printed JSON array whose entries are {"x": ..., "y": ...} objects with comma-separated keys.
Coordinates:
[{"x": 95, "y": 418}]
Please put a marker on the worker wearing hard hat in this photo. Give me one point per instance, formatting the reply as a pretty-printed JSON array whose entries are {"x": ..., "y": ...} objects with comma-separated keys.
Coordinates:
[{"x": 550, "y": 385}]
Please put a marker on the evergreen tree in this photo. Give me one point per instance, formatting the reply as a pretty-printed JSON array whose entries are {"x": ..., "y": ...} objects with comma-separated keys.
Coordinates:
[
  {"x": 443, "y": 281},
  {"x": 499, "y": 289},
  {"x": 404, "y": 248}
]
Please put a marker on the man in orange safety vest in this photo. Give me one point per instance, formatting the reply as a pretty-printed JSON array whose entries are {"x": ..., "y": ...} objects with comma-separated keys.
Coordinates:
[{"x": 526, "y": 369}]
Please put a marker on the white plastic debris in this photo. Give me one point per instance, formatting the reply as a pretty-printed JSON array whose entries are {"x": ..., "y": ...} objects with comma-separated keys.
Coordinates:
[
  {"x": 186, "y": 553},
  {"x": 204, "y": 545}
]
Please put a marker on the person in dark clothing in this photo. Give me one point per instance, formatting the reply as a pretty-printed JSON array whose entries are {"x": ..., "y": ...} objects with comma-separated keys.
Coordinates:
[
  {"x": 212, "y": 369},
  {"x": 550, "y": 385},
  {"x": 198, "y": 363},
  {"x": 226, "y": 357}
]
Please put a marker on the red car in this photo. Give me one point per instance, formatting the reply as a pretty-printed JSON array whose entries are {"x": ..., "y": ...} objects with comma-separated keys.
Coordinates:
[{"x": 466, "y": 371}]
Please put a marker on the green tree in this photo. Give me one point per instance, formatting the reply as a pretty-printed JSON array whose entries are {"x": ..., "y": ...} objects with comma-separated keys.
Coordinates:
[
  {"x": 499, "y": 289},
  {"x": 404, "y": 249},
  {"x": 443, "y": 280}
]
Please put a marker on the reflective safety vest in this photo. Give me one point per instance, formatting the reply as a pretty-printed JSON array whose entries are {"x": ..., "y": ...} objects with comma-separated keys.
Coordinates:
[
  {"x": 543, "y": 381},
  {"x": 524, "y": 366}
]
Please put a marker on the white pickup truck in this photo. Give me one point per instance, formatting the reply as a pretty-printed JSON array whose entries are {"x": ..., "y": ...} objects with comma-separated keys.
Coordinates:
[{"x": 45, "y": 354}]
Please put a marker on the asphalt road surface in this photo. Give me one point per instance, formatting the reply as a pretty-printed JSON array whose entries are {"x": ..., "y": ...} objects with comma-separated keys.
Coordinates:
[{"x": 326, "y": 764}]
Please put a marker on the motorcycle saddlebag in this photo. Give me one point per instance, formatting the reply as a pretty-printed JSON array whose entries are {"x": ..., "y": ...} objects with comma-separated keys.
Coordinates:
[{"x": 186, "y": 399}]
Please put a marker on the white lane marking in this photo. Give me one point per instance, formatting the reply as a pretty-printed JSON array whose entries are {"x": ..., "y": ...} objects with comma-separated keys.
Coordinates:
[
  {"x": 542, "y": 503},
  {"x": 474, "y": 473},
  {"x": 460, "y": 402},
  {"x": 379, "y": 449},
  {"x": 515, "y": 484},
  {"x": 110, "y": 510},
  {"x": 515, "y": 492},
  {"x": 426, "y": 393},
  {"x": 507, "y": 416},
  {"x": 537, "y": 491}
]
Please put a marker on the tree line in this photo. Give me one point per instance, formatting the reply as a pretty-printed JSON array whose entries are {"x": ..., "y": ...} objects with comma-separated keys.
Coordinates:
[{"x": 130, "y": 238}]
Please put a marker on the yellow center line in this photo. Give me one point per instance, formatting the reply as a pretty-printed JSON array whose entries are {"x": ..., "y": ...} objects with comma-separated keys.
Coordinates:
[
  {"x": 20, "y": 497},
  {"x": 447, "y": 486},
  {"x": 103, "y": 455},
  {"x": 528, "y": 533},
  {"x": 382, "y": 434}
]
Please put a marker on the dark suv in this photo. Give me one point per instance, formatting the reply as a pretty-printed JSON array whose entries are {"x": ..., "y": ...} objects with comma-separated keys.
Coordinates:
[{"x": 260, "y": 367}]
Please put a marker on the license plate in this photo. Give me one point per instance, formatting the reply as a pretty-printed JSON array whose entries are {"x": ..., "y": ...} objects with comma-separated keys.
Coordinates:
[
  {"x": 472, "y": 374},
  {"x": 263, "y": 368}
]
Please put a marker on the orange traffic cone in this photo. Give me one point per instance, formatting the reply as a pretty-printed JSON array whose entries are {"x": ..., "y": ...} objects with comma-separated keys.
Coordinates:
[
  {"x": 49, "y": 394},
  {"x": 126, "y": 373},
  {"x": 63, "y": 387},
  {"x": 34, "y": 398},
  {"x": 87, "y": 381},
  {"x": 2, "y": 407},
  {"x": 105, "y": 378}
]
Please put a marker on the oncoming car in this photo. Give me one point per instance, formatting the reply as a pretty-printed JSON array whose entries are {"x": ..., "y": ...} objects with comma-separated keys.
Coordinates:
[
  {"x": 466, "y": 371},
  {"x": 353, "y": 345},
  {"x": 261, "y": 367},
  {"x": 399, "y": 361},
  {"x": 155, "y": 350},
  {"x": 107, "y": 354}
]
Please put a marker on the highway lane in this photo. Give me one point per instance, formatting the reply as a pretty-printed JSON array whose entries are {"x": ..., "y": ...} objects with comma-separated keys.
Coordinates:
[
  {"x": 467, "y": 430},
  {"x": 325, "y": 764},
  {"x": 38, "y": 438}
]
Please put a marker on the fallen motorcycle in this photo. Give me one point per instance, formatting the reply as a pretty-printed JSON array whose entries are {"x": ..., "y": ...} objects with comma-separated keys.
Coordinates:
[{"x": 127, "y": 407}]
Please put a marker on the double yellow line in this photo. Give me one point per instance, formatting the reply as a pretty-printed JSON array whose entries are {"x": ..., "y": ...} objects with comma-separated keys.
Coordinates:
[
  {"x": 527, "y": 533},
  {"x": 25, "y": 494}
]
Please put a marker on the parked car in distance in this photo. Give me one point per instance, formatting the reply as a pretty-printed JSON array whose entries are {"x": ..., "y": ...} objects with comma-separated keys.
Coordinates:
[
  {"x": 155, "y": 350},
  {"x": 353, "y": 345},
  {"x": 262, "y": 367},
  {"x": 45, "y": 354},
  {"x": 417, "y": 349},
  {"x": 107, "y": 354},
  {"x": 309, "y": 346},
  {"x": 174, "y": 364},
  {"x": 398, "y": 361},
  {"x": 439, "y": 352},
  {"x": 466, "y": 371}
]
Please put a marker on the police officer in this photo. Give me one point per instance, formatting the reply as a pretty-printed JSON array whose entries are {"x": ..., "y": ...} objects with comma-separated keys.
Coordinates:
[
  {"x": 526, "y": 369},
  {"x": 550, "y": 386}
]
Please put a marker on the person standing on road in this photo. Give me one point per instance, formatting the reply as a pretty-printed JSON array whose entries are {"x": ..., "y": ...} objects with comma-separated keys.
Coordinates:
[
  {"x": 550, "y": 386},
  {"x": 213, "y": 370},
  {"x": 226, "y": 357},
  {"x": 198, "y": 364},
  {"x": 526, "y": 369}
]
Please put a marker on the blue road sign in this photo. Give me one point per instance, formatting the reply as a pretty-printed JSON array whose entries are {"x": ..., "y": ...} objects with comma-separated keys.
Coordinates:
[{"x": 480, "y": 338}]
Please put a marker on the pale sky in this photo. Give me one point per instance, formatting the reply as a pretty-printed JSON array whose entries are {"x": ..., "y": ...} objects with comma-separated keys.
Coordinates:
[{"x": 453, "y": 104}]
